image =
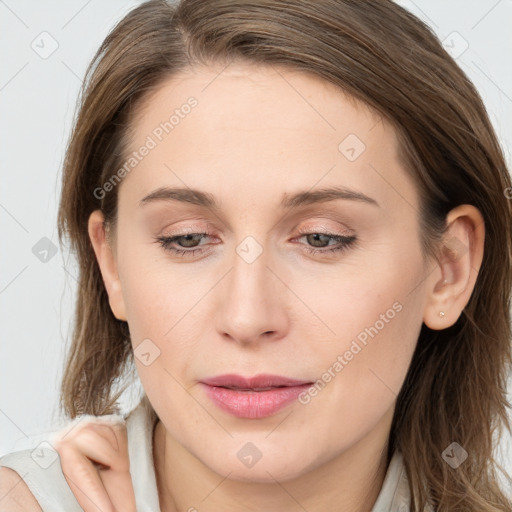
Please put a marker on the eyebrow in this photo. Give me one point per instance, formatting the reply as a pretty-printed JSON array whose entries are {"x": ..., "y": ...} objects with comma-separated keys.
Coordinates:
[{"x": 288, "y": 202}]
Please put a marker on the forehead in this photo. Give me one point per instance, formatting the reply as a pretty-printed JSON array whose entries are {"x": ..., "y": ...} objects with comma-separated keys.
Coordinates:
[
  {"x": 262, "y": 129},
  {"x": 256, "y": 98}
]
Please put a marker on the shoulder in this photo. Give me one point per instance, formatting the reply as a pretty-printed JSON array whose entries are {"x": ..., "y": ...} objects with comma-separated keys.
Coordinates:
[
  {"x": 15, "y": 496},
  {"x": 35, "y": 474}
]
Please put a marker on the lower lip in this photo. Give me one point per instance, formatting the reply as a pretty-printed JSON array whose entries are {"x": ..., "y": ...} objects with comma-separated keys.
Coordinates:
[{"x": 253, "y": 404}]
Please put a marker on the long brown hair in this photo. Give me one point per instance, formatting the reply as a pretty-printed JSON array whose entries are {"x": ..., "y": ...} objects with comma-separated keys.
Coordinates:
[{"x": 455, "y": 390}]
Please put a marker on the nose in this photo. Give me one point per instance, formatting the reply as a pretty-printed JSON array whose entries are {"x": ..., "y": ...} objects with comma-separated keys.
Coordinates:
[{"x": 252, "y": 302}]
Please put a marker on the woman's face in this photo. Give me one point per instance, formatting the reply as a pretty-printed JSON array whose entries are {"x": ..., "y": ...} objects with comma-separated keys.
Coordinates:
[{"x": 268, "y": 166}]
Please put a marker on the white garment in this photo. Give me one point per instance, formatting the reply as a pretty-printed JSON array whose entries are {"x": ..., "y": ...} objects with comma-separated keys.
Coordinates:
[{"x": 41, "y": 470}]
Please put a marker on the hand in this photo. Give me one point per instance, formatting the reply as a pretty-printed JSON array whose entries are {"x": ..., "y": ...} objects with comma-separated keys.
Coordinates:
[{"x": 94, "y": 459}]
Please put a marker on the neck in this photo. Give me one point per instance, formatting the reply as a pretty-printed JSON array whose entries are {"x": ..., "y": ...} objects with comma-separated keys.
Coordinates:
[{"x": 352, "y": 479}]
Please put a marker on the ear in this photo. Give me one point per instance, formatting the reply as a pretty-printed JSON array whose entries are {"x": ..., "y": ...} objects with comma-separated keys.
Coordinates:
[
  {"x": 451, "y": 283},
  {"x": 107, "y": 263}
]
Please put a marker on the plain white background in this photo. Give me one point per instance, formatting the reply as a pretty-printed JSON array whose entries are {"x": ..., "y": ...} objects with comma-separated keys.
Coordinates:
[{"x": 46, "y": 47}]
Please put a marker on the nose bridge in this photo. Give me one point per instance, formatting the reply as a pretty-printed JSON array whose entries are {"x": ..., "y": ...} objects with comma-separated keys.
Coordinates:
[
  {"x": 250, "y": 275},
  {"x": 252, "y": 303}
]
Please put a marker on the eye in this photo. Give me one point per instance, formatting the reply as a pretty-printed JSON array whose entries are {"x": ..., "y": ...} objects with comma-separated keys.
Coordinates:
[
  {"x": 190, "y": 241},
  {"x": 320, "y": 242},
  {"x": 189, "y": 244}
]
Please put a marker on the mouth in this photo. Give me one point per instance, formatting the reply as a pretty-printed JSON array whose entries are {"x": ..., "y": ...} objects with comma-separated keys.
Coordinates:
[
  {"x": 253, "y": 398},
  {"x": 262, "y": 382},
  {"x": 252, "y": 389}
]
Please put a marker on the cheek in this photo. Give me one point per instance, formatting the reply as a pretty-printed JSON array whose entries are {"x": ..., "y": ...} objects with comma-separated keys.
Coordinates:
[
  {"x": 151, "y": 293},
  {"x": 347, "y": 302},
  {"x": 148, "y": 315},
  {"x": 156, "y": 311},
  {"x": 376, "y": 318},
  {"x": 160, "y": 300},
  {"x": 360, "y": 375}
]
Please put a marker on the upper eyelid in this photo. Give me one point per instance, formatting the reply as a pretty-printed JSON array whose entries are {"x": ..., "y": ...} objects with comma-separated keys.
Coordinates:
[
  {"x": 298, "y": 235},
  {"x": 317, "y": 227}
]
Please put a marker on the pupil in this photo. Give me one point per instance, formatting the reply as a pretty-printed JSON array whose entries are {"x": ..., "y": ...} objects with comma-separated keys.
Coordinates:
[
  {"x": 189, "y": 238},
  {"x": 315, "y": 238}
]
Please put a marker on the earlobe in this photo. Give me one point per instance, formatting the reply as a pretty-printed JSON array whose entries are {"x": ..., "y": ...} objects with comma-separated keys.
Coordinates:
[
  {"x": 451, "y": 283},
  {"x": 107, "y": 263}
]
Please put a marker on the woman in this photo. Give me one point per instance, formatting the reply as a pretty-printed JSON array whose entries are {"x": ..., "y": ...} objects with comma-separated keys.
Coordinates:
[{"x": 292, "y": 217}]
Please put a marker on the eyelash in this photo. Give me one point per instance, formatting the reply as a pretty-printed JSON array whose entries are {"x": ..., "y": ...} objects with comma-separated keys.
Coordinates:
[{"x": 344, "y": 243}]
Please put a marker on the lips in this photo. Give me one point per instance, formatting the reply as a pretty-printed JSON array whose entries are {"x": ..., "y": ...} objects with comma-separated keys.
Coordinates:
[
  {"x": 262, "y": 382},
  {"x": 253, "y": 397}
]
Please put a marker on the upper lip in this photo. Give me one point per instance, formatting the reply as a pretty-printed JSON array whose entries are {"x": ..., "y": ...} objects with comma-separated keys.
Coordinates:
[{"x": 258, "y": 381}]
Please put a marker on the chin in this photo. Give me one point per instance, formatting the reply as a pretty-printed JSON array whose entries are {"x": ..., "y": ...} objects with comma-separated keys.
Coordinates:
[
  {"x": 262, "y": 475},
  {"x": 264, "y": 470}
]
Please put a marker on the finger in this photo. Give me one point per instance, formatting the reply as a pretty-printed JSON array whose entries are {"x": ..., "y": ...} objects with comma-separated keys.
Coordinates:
[
  {"x": 120, "y": 489},
  {"x": 119, "y": 482},
  {"x": 106, "y": 446},
  {"x": 88, "y": 422},
  {"x": 84, "y": 481},
  {"x": 94, "y": 446},
  {"x": 117, "y": 438}
]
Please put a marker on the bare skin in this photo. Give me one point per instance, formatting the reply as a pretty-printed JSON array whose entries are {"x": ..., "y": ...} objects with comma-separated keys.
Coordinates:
[
  {"x": 252, "y": 140},
  {"x": 94, "y": 461}
]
